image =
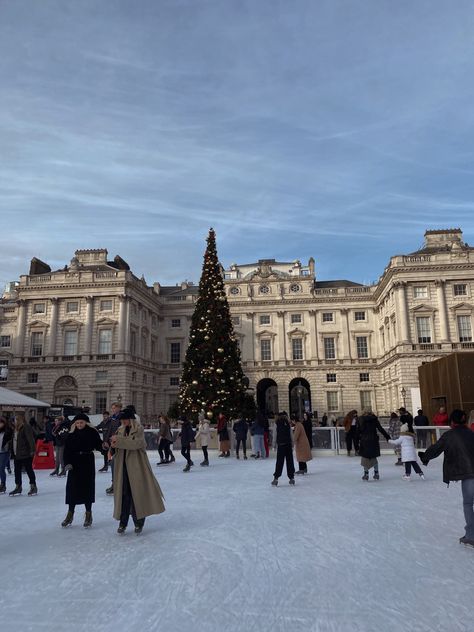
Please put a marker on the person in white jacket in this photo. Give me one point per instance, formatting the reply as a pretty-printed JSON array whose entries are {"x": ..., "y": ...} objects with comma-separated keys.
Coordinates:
[
  {"x": 204, "y": 433},
  {"x": 407, "y": 443}
]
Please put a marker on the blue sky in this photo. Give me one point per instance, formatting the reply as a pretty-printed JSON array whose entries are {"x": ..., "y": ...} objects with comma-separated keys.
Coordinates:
[{"x": 337, "y": 129}]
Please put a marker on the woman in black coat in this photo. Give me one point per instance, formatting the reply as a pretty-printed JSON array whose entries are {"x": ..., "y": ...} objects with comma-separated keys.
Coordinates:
[
  {"x": 369, "y": 447},
  {"x": 308, "y": 428},
  {"x": 79, "y": 461}
]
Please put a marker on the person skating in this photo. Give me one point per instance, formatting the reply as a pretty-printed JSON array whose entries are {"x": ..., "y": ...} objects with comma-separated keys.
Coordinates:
[
  {"x": 241, "y": 429},
  {"x": 284, "y": 450},
  {"x": 109, "y": 432},
  {"x": 136, "y": 490},
  {"x": 204, "y": 434},
  {"x": 369, "y": 447},
  {"x": 6, "y": 436},
  {"x": 60, "y": 432},
  {"x": 187, "y": 437},
  {"x": 302, "y": 447},
  {"x": 457, "y": 445},
  {"x": 22, "y": 452},
  {"x": 394, "y": 426},
  {"x": 351, "y": 429},
  {"x": 165, "y": 441},
  {"x": 103, "y": 428},
  {"x": 79, "y": 461},
  {"x": 257, "y": 430},
  {"x": 406, "y": 441},
  {"x": 223, "y": 433},
  {"x": 308, "y": 428}
]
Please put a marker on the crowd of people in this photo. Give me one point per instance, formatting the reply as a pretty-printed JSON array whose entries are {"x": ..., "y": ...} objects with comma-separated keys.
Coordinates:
[{"x": 137, "y": 493}]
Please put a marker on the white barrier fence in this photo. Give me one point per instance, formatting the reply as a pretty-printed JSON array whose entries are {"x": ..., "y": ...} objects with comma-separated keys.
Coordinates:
[{"x": 326, "y": 441}]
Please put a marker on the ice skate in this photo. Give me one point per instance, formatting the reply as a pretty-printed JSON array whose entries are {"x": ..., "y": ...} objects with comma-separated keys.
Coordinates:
[
  {"x": 33, "y": 490},
  {"x": 104, "y": 469},
  {"x": 291, "y": 481},
  {"x": 138, "y": 529},
  {"x": 54, "y": 473},
  {"x": 121, "y": 529},
  {"x": 422, "y": 476},
  {"x": 406, "y": 478},
  {"x": 399, "y": 462},
  {"x": 68, "y": 519},
  {"x": 365, "y": 476},
  {"x": 62, "y": 473},
  {"x": 466, "y": 541},
  {"x": 110, "y": 490},
  {"x": 16, "y": 492},
  {"x": 300, "y": 472},
  {"x": 275, "y": 482},
  {"x": 3, "y": 489},
  {"x": 205, "y": 463},
  {"x": 88, "y": 519},
  {"x": 237, "y": 456},
  {"x": 187, "y": 468},
  {"x": 376, "y": 476},
  {"x": 245, "y": 458}
]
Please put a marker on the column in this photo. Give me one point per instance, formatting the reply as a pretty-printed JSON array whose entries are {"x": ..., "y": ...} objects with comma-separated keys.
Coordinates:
[
  {"x": 253, "y": 342},
  {"x": 443, "y": 310},
  {"x": 346, "y": 341},
  {"x": 402, "y": 312},
  {"x": 89, "y": 323},
  {"x": 123, "y": 300},
  {"x": 313, "y": 334},
  {"x": 281, "y": 337},
  {"x": 20, "y": 329},
  {"x": 53, "y": 331}
]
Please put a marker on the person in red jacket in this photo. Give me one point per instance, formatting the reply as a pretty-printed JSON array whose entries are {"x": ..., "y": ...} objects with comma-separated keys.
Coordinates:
[{"x": 441, "y": 417}]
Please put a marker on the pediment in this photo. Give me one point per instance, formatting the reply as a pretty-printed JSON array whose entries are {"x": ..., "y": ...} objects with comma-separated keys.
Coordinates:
[
  {"x": 297, "y": 332},
  {"x": 265, "y": 333},
  {"x": 422, "y": 308},
  {"x": 462, "y": 306},
  {"x": 38, "y": 323},
  {"x": 105, "y": 321},
  {"x": 71, "y": 322}
]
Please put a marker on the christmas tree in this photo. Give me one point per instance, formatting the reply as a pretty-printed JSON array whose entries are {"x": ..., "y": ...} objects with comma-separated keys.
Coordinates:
[{"x": 212, "y": 376}]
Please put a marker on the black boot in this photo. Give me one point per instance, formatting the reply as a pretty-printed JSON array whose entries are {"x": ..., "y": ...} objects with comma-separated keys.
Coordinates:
[
  {"x": 205, "y": 463},
  {"x": 33, "y": 490},
  {"x": 187, "y": 468},
  {"x": 54, "y": 473},
  {"x": 68, "y": 519},
  {"x": 366, "y": 476},
  {"x": 16, "y": 492},
  {"x": 88, "y": 519},
  {"x": 62, "y": 473},
  {"x": 275, "y": 482},
  {"x": 121, "y": 529},
  {"x": 3, "y": 489},
  {"x": 110, "y": 490}
]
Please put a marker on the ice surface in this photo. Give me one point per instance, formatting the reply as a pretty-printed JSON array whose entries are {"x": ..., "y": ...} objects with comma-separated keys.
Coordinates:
[{"x": 232, "y": 553}]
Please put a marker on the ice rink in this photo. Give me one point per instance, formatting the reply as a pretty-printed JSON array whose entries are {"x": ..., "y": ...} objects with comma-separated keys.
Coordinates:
[{"x": 232, "y": 553}]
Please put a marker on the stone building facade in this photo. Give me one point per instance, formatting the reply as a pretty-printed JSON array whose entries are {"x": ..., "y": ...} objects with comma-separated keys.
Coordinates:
[{"x": 93, "y": 333}]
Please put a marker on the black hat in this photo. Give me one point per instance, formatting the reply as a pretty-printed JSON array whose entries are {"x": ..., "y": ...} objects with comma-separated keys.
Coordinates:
[
  {"x": 81, "y": 417},
  {"x": 127, "y": 413}
]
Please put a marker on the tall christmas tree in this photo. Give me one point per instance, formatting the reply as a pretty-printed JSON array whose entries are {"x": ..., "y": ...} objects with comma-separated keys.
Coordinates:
[{"x": 212, "y": 376}]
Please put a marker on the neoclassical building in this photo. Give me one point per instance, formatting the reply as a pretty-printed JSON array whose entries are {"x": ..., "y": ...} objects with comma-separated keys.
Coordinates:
[{"x": 93, "y": 333}]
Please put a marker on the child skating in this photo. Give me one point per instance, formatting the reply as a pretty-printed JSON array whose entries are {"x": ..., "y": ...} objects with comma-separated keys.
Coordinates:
[{"x": 407, "y": 443}]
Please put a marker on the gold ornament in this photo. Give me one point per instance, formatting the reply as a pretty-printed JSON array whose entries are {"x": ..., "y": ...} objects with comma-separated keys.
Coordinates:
[
  {"x": 219, "y": 371},
  {"x": 209, "y": 414},
  {"x": 206, "y": 337},
  {"x": 195, "y": 382},
  {"x": 220, "y": 350}
]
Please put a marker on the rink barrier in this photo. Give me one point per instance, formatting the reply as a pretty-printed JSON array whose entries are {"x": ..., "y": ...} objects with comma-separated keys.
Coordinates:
[{"x": 326, "y": 441}]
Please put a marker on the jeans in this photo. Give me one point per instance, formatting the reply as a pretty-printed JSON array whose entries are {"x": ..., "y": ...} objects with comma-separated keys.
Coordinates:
[
  {"x": 59, "y": 457},
  {"x": 244, "y": 447},
  {"x": 164, "y": 450},
  {"x": 416, "y": 467},
  {"x": 285, "y": 453},
  {"x": 28, "y": 465},
  {"x": 186, "y": 452},
  {"x": 3, "y": 465},
  {"x": 259, "y": 445},
  {"x": 468, "y": 506},
  {"x": 205, "y": 452}
]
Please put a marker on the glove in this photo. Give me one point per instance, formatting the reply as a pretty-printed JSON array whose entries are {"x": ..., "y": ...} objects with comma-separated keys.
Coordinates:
[
  {"x": 68, "y": 468},
  {"x": 422, "y": 458}
]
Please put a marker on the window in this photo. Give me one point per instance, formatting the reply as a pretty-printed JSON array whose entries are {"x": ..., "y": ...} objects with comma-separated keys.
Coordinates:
[
  {"x": 105, "y": 341},
  {"x": 101, "y": 376},
  {"x": 39, "y": 308},
  {"x": 236, "y": 320},
  {"x": 332, "y": 401},
  {"x": 331, "y": 377},
  {"x": 362, "y": 347},
  {"x": 70, "y": 342},
  {"x": 329, "y": 349},
  {"x": 134, "y": 376},
  {"x": 5, "y": 341},
  {"x": 174, "y": 381},
  {"x": 73, "y": 306},
  {"x": 460, "y": 289},
  {"x": 37, "y": 343},
  {"x": 365, "y": 400},
  {"x": 175, "y": 323},
  {"x": 266, "y": 350},
  {"x": 100, "y": 402},
  {"x": 153, "y": 350},
  {"x": 295, "y": 287},
  {"x": 175, "y": 352},
  {"x": 423, "y": 329},
  {"x": 464, "y": 329},
  {"x": 358, "y": 316},
  {"x": 420, "y": 291},
  {"x": 296, "y": 318},
  {"x": 328, "y": 317},
  {"x": 3, "y": 370},
  {"x": 32, "y": 378},
  {"x": 133, "y": 342},
  {"x": 145, "y": 403},
  {"x": 264, "y": 319},
  {"x": 106, "y": 305},
  {"x": 264, "y": 289},
  {"x": 234, "y": 291},
  {"x": 154, "y": 322},
  {"x": 297, "y": 348},
  {"x": 364, "y": 377},
  {"x": 144, "y": 345}
]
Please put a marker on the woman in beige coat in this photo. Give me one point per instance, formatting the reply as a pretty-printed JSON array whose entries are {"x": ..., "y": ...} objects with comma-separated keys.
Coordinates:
[
  {"x": 302, "y": 447},
  {"x": 136, "y": 490}
]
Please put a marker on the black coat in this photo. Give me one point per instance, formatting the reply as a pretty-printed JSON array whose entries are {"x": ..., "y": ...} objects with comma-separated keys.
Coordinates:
[
  {"x": 241, "y": 429},
  {"x": 283, "y": 431},
  {"x": 7, "y": 439},
  {"x": 25, "y": 443},
  {"x": 369, "y": 427},
  {"x": 308, "y": 428},
  {"x": 187, "y": 434},
  {"x": 458, "y": 447},
  {"x": 79, "y": 452}
]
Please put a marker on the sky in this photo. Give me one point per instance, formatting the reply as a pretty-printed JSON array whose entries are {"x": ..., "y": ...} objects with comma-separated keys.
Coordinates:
[{"x": 338, "y": 129}]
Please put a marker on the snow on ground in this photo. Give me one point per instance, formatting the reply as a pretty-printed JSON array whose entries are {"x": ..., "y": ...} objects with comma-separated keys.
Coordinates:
[{"x": 232, "y": 553}]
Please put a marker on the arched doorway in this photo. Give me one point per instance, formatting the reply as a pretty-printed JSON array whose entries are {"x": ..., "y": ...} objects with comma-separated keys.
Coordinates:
[
  {"x": 267, "y": 396},
  {"x": 300, "y": 397},
  {"x": 65, "y": 391}
]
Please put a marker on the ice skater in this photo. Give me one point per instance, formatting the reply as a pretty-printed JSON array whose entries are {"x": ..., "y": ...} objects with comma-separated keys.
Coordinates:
[
  {"x": 79, "y": 462},
  {"x": 302, "y": 447},
  {"x": 458, "y": 447},
  {"x": 394, "y": 426},
  {"x": 369, "y": 447},
  {"x": 23, "y": 450},
  {"x": 136, "y": 490},
  {"x": 284, "y": 450},
  {"x": 5, "y": 446},
  {"x": 241, "y": 428},
  {"x": 165, "y": 438},
  {"x": 406, "y": 441},
  {"x": 223, "y": 432},
  {"x": 187, "y": 437},
  {"x": 204, "y": 434}
]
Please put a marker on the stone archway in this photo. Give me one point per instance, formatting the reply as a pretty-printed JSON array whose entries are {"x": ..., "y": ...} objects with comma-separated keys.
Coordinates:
[
  {"x": 65, "y": 391},
  {"x": 300, "y": 396},
  {"x": 267, "y": 396}
]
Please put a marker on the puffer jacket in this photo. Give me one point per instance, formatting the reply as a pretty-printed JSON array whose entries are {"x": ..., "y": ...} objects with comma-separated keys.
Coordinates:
[
  {"x": 407, "y": 443},
  {"x": 458, "y": 447}
]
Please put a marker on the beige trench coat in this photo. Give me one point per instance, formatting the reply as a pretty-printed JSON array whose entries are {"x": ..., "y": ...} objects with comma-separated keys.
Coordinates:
[
  {"x": 146, "y": 492},
  {"x": 302, "y": 447}
]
